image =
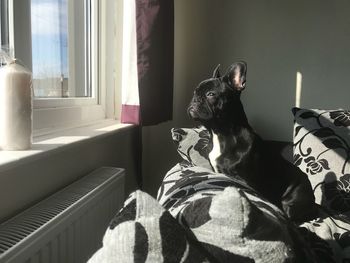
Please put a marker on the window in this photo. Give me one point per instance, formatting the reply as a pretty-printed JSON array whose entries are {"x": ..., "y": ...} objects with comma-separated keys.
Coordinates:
[{"x": 67, "y": 44}]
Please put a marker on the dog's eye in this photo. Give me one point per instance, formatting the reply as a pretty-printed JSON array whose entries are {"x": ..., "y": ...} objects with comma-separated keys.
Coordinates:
[{"x": 210, "y": 94}]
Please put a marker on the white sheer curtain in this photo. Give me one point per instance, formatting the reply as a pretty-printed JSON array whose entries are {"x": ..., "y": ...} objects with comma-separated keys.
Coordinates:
[
  {"x": 130, "y": 90},
  {"x": 148, "y": 61}
]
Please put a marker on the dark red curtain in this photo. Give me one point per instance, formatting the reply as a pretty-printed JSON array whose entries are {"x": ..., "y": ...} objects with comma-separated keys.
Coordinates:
[{"x": 155, "y": 59}]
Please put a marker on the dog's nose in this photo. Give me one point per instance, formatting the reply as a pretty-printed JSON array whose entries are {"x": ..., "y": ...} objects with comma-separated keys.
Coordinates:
[
  {"x": 191, "y": 111},
  {"x": 189, "y": 108}
]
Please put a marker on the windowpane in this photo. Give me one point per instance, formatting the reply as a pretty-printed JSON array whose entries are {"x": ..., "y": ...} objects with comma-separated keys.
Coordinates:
[
  {"x": 59, "y": 48},
  {"x": 4, "y": 37}
]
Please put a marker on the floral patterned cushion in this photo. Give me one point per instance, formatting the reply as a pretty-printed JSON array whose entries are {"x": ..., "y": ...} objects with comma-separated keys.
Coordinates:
[
  {"x": 193, "y": 145},
  {"x": 321, "y": 150}
]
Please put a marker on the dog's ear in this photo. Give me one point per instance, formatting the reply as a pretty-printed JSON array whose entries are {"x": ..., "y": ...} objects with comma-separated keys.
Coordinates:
[
  {"x": 236, "y": 75},
  {"x": 216, "y": 72}
]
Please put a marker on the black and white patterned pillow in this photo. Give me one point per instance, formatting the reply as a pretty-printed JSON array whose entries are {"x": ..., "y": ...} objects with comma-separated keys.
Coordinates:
[
  {"x": 193, "y": 145},
  {"x": 229, "y": 218},
  {"x": 233, "y": 228},
  {"x": 143, "y": 231},
  {"x": 322, "y": 151}
]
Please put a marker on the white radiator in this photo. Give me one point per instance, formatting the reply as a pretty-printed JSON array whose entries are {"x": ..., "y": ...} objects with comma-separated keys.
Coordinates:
[{"x": 69, "y": 225}]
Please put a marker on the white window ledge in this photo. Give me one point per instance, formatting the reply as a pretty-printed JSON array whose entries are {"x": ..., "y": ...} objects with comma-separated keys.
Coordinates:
[{"x": 55, "y": 140}]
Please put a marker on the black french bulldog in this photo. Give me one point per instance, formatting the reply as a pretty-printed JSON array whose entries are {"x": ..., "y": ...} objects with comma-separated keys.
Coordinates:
[{"x": 240, "y": 151}]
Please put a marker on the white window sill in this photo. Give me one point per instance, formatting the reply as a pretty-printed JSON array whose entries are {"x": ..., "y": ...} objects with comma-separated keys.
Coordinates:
[{"x": 45, "y": 142}]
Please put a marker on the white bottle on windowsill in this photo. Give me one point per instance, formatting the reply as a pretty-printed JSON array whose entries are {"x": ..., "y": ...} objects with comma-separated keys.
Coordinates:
[{"x": 15, "y": 107}]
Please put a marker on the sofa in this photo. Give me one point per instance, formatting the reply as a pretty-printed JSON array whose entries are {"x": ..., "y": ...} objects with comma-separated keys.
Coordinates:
[{"x": 203, "y": 216}]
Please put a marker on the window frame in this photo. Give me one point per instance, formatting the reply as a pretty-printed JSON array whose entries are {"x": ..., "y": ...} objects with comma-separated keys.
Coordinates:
[{"x": 50, "y": 114}]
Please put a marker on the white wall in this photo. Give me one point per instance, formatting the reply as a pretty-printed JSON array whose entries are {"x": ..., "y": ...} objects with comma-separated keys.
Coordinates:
[{"x": 277, "y": 39}]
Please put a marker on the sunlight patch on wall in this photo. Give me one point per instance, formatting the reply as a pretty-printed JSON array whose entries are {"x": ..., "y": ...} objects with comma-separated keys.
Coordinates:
[{"x": 298, "y": 88}]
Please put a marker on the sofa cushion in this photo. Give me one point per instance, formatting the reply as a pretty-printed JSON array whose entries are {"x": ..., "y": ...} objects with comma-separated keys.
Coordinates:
[
  {"x": 329, "y": 236},
  {"x": 240, "y": 228},
  {"x": 229, "y": 218},
  {"x": 321, "y": 150}
]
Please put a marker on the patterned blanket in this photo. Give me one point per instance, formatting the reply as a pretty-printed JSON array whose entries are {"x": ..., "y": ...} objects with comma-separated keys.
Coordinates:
[{"x": 202, "y": 216}]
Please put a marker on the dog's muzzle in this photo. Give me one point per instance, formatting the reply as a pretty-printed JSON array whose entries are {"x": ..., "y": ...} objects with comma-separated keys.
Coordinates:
[{"x": 198, "y": 112}]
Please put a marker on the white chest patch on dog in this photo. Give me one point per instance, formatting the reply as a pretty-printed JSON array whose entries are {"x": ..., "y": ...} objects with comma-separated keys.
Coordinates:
[{"x": 215, "y": 153}]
